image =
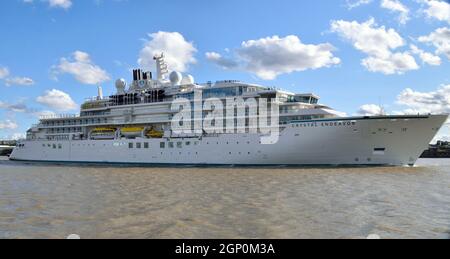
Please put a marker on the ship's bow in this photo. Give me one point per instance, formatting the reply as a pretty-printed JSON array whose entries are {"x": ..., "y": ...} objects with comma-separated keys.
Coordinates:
[{"x": 416, "y": 133}]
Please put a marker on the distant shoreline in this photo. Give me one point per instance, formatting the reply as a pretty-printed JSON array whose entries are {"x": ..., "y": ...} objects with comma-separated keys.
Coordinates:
[{"x": 440, "y": 150}]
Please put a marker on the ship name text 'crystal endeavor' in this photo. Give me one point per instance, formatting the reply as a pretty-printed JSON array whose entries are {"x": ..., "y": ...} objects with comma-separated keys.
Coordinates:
[{"x": 174, "y": 120}]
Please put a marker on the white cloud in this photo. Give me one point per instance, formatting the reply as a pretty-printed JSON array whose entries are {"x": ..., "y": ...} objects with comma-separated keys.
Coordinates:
[
  {"x": 9, "y": 81},
  {"x": 222, "y": 62},
  {"x": 438, "y": 9},
  {"x": 370, "y": 110},
  {"x": 392, "y": 5},
  {"x": 396, "y": 63},
  {"x": 367, "y": 38},
  {"x": 57, "y": 100},
  {"x": 356, "y": 3},
  {"x": 82, "y": 68},
  {"x": 426, "y": 57},
  {"x": 18, "y": 107},
  {"x": 436, "y": 102},
  {"x": 4, "y": 72},
  {"x": 397, "y": 6},
  {"x": 179, "y": 53},
  {"x": 24, "y": 81},
  {"x": 8, "y": 124},
  {"x": 23, "y": 108},
  {"x": 440, "y": 38},
  {"x": 378, "y": 43},
  {"x": 273, "y": 56},
  {"x": 17, "y": 136},
  {"x": 65, "y": 4},
  {"x": 270, "y": 57}
]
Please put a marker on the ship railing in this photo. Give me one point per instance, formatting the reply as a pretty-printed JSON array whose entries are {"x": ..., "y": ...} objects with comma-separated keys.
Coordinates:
[
  {"x": 59, "y": 116},
  {"x": 96, "y": 99}
]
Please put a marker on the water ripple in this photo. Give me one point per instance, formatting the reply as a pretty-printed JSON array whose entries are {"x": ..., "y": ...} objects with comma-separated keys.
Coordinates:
[{"x": 53, "y": 201}]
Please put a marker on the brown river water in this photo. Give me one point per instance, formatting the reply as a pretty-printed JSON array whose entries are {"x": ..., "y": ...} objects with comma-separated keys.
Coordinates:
[{"x": 54, "y": 201}]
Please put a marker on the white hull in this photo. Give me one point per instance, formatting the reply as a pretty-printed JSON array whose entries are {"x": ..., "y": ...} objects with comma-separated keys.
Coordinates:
[{"x": 384, "y": 140}]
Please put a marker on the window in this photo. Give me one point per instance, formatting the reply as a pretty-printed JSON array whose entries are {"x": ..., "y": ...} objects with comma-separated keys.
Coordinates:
[
  {"x": 188, "y": 143},
  {"x": 146, "y": 145},
  {"x": 59, "y": 146},
  {"x": 179, "y": 144},
  {"x": 54, "y": 146},
  {"x": 130, "y": 145},
  {"x": 162, "y": 145},
  {"x": 171, "y": 145},
  {"x": 138, "y": 145},
  {"x": 43, "y": 145}
]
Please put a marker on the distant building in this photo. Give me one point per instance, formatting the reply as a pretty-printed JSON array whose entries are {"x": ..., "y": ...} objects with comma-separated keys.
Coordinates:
[
  {"x": 8, "y": 142},
  {"x": 6, "y": 147}
]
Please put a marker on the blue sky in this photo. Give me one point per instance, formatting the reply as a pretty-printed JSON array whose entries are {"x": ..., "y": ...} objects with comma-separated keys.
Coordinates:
[{"x": 356, "y": 55}]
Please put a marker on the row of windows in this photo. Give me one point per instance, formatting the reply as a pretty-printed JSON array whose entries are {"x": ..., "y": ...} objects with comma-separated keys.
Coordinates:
[
  {"x": 229, "y": 153},
  {"x": 146, "y": 145},
  {"x": 96, "y": 113},
  {"x": 180, "y": 144},
  {"x": 63, "y": 130},
  {"x": 58, "y": 137},
  {"x": 162, "y": 145},
  {"x": 73, "y": 122},
  {"x": 54, "y": 146}
]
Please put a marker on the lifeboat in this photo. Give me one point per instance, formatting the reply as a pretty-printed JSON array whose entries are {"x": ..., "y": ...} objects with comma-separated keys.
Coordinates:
[
  {"x": 103, "y": 133},
  {"x": 152, "y": 133},
  {"x": 132, "y": 132}
]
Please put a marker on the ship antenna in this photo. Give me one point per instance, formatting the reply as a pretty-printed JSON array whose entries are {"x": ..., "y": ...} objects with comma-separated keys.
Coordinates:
[
  {"x": 382, "y": 110},
  {"x": 161, "y": 66}
]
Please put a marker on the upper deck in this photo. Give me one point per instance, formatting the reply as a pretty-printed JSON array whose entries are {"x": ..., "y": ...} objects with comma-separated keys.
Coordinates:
[{"x": 147, "y": 103}]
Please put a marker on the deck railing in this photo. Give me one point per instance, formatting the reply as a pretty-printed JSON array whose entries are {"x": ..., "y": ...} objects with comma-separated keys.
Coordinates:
[{"x": 59, "y": 116}]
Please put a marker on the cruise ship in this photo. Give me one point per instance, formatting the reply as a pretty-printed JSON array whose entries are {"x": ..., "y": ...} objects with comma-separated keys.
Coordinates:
[{"x": 170, "y": 119}]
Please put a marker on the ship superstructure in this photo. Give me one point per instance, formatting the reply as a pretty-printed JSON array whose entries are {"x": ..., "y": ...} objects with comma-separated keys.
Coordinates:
[{"x": 135, "y": 125}]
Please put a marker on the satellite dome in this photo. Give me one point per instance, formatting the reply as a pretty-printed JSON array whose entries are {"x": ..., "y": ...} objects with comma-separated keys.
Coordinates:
[
  {"x": 187, "y": 80},
  {"x": 175, "y": 78},
  {"x": 121, "y": 84}
]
